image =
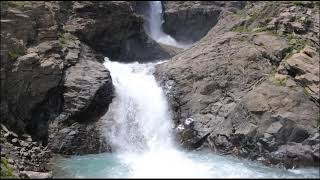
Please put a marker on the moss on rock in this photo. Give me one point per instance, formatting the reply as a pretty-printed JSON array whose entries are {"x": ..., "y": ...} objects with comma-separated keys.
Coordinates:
[{"x": 7, "y": 171}]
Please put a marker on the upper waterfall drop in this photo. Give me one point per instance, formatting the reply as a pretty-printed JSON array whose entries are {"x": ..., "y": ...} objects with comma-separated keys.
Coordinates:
[{"x": 155, "y": 26}]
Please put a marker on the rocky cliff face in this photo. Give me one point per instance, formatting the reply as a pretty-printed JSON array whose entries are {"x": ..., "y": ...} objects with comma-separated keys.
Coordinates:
[
  {"x": 250, "y": 87},
  {"x": 189, "y": 21},
  {"x": 50, "y": 76}
]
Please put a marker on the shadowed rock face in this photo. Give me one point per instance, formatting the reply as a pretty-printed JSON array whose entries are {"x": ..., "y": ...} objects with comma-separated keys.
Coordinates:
[
  {"x": 247, "y": 90},
  {"x": 189, "y": 21}
]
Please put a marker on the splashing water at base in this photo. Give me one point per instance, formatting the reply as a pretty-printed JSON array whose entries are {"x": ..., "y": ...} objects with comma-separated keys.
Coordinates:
[
  {"x": 138, "y": 125},
  {"x": 185, "y": 165}
]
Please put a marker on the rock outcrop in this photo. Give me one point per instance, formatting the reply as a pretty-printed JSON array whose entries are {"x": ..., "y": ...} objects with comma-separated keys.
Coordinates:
[
  {"x": 189, "y": 21},
  {"x": 87, "y": 93},
  {"x": 50, "y": 79},
  {"x": 247, "y": 90}
]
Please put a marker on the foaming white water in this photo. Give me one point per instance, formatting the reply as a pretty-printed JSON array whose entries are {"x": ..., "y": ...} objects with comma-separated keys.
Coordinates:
[
  {"x": 165, "y": 163},
  {"x": 139, "y": 108},
  {"x": 155, "y": 23},
  {"x": 140, "y": 131}
]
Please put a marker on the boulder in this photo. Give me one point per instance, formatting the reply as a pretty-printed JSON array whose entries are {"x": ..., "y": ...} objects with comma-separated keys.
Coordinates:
[
  {"x": 295, "y": 155},
  {"x": 88, "y": 91}
]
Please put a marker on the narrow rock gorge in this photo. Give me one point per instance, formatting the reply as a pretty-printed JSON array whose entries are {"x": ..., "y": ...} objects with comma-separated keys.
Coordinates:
[{"x": 81, "y": 79}]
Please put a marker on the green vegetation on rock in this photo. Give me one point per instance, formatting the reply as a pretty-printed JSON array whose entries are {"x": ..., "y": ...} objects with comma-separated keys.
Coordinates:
[
  {"x": 296, "y": 44},
  {"x": 14, "y": 54},
  {"x": 15, "y": 4},
  {"x": 297, "y": 3},
  {"x": 64, "y": 38},
  {"x": 306, "y": 91},
  {"x": 240, "y": 29},
  {"x": 6, "y": 169},
  {"x": 281, "y": 82}
]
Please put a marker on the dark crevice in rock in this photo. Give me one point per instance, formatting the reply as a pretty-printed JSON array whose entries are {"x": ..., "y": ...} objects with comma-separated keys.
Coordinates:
[
  {"x": 43, "y": 113},
  {"x": 200, "y": 142}
]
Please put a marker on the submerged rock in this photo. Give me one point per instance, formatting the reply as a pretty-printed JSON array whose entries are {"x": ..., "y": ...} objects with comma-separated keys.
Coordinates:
[{"x": 35, "y": 175}]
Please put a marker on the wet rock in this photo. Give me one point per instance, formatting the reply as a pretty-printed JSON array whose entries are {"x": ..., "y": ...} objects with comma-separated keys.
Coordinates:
[
  {"x": 15, "y": 141},
  {"x": 247, "y": 130},
  {"x": 189, "y": 122},
  {"x": 294, "y": 155},
  {"x": 27, "y": 137},
  {"x": 36, "y": 175},
  {"x": 23, "y": 143},
  {"x": 268, "y": 136},
  {"x": 312, "y": 139},
  {"x": 298, "y": 135},
  {"x": 274, "y": 128},
  {"x": 10, "y": 161}
]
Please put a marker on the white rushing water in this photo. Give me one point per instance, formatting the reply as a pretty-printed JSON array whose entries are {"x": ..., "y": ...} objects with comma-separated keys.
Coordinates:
[
  {"x": 141, "y": 126},
  {"x": 155, "y": 26}
]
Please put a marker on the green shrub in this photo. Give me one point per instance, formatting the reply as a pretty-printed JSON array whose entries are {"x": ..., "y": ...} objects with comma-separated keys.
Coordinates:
[
  {"x": 282, "y": 82},
  {"x": 297, "y": 3},
  {"x": 64, "y": 37},
  {"x": 296, "y": 44},
  {"x": 261, "y": 29},
  {"x": 240, "y": 29},
  {"x": 6, "y": 169},
  {"x": 14, "y": 54},
  {"x": 306, "y": 92}
]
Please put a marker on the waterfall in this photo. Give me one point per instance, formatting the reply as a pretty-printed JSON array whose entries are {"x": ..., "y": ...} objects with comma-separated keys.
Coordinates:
[
  {"x": 139, "y": 125},
  {"x": 155, "y": 26},
  {"x": 140, "y": 114}
]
